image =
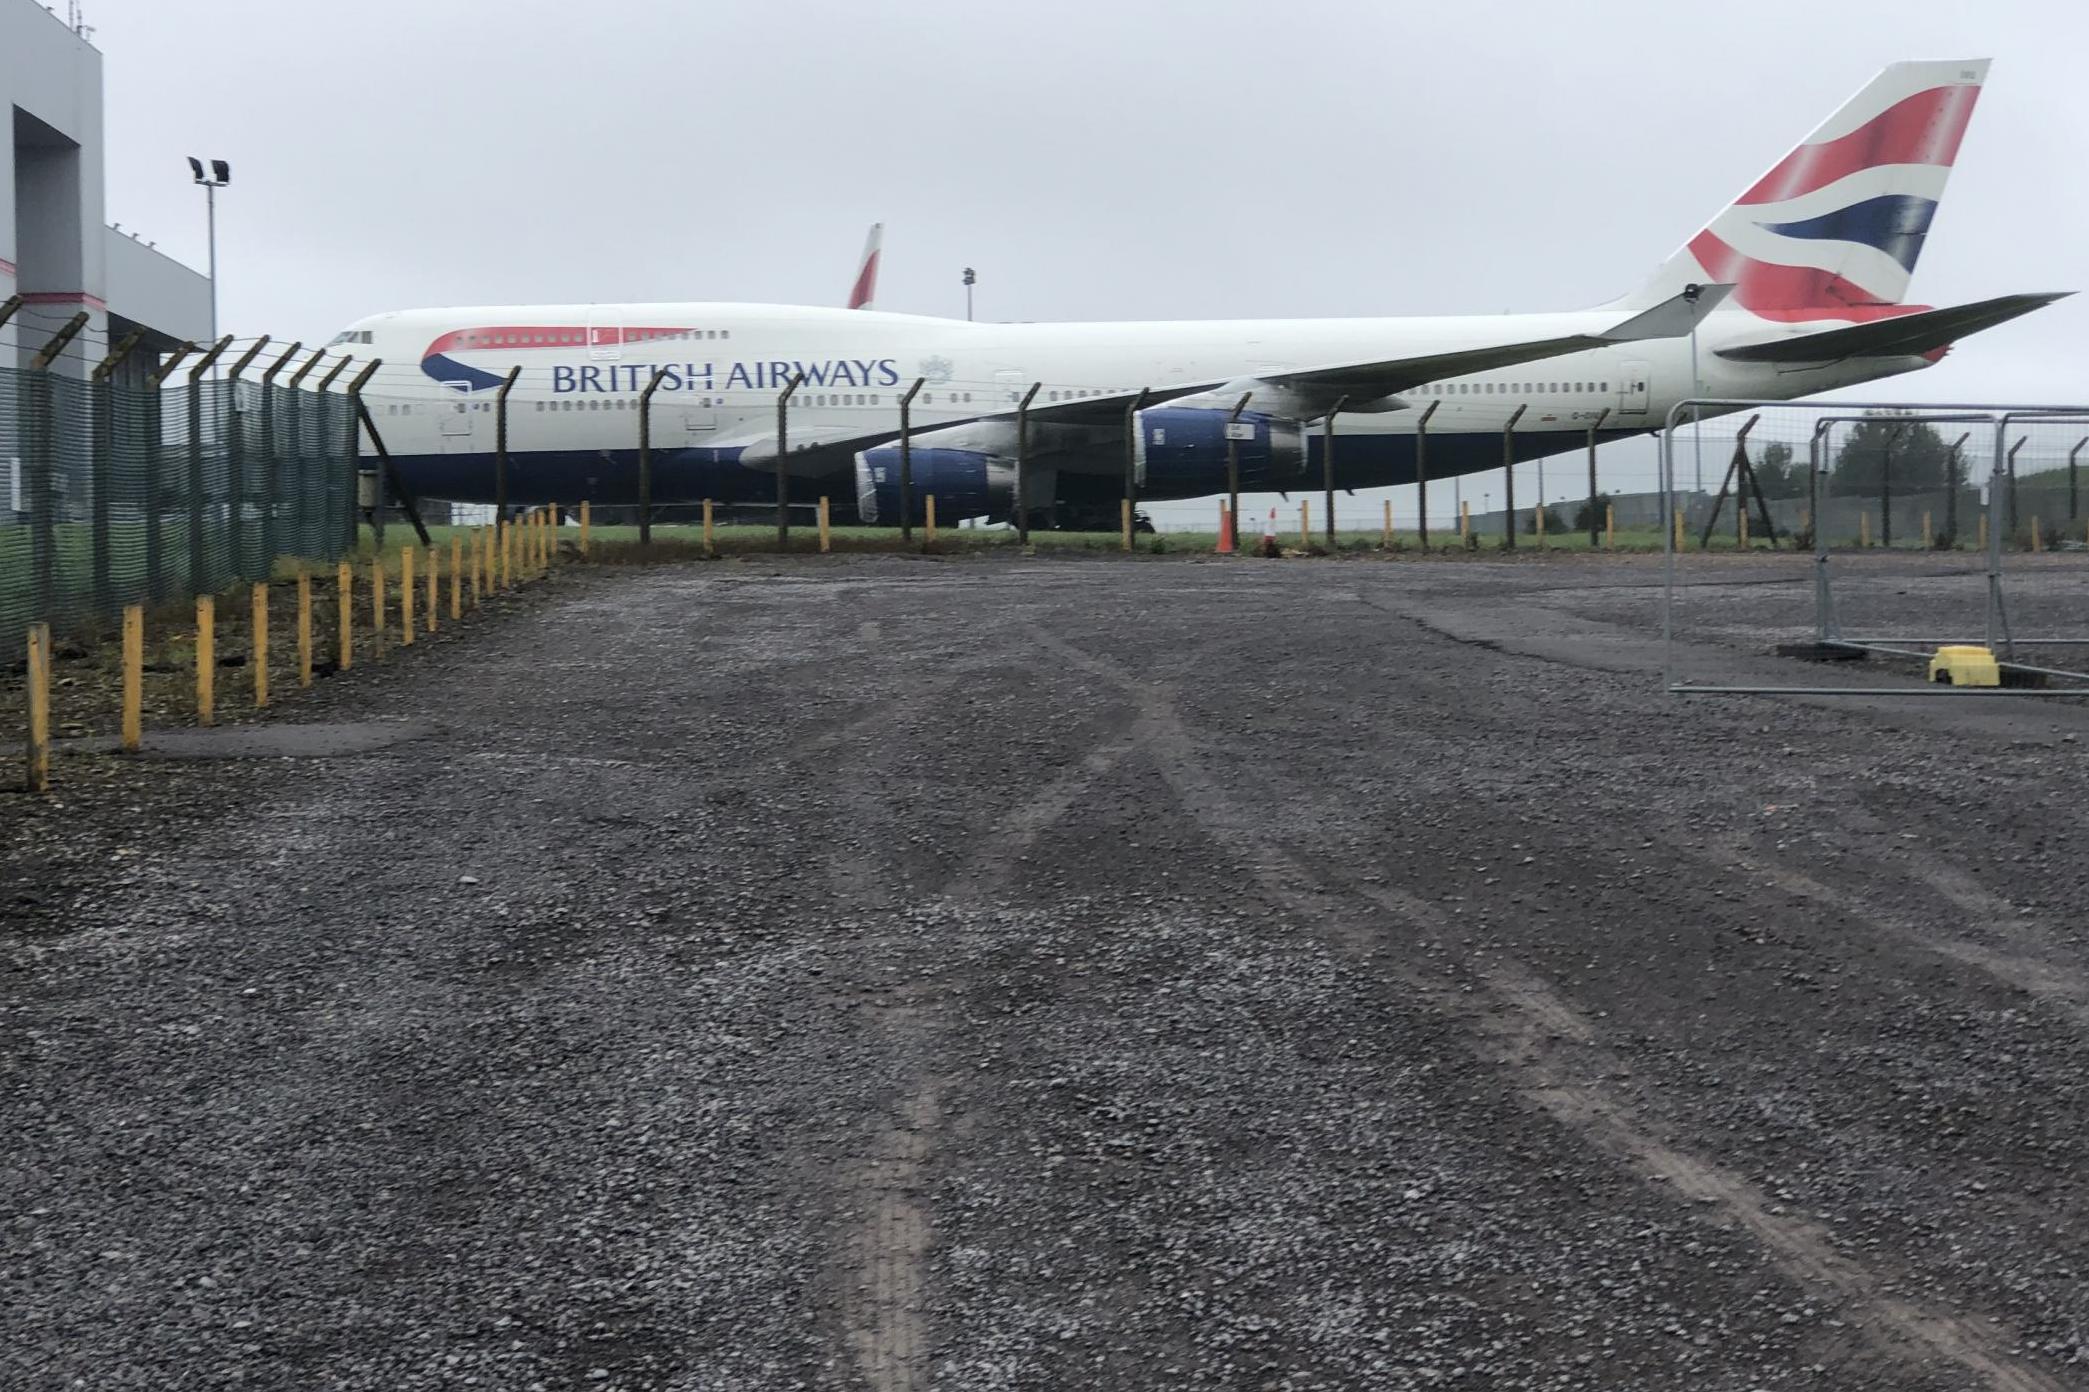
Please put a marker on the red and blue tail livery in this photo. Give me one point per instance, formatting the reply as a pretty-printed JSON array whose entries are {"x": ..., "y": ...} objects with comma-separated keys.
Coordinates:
[{"x": 1834, "y": 229}]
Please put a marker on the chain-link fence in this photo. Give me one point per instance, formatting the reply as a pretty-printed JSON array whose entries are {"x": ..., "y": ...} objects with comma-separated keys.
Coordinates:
[{"x": 114, "y": 494}]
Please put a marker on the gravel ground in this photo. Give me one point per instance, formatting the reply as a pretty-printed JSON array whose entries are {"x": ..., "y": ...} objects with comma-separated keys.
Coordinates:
[{"x": 894, "y": 973}]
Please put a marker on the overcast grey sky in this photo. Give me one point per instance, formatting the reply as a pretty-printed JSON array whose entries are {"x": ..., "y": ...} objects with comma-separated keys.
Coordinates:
[{"x": 1093, "y": 159}]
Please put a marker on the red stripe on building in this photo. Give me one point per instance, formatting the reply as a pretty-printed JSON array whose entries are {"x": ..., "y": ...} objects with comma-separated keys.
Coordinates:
[
  {"x": 1923, "y": 129},
  {"x": 78, "y": 297}
]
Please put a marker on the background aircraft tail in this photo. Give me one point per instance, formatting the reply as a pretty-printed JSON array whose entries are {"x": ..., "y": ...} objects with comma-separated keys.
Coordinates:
[
  {"x": 863, "y": 294},
  {"x": 1835, "y": 227}
]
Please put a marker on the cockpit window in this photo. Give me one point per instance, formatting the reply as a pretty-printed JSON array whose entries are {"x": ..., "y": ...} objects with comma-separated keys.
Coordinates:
[{"x": 350, "y": 336}]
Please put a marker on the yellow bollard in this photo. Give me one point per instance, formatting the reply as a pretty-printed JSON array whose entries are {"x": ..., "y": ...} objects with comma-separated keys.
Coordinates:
[
  {"x": 258, "y": 602},
  {"x": 1538, "y": 522},
  {"x": 39, "y": 770},
  {"x": 1125, "y": 521},
  {"x": 2037, "y": 541},
  {"x": 1983, "y": 532},
  {"x": 1610, "y": 527},
  {"x": 377, "y": 607},
  {"x": 304, "y": 629},
  {"x": 583, "y": 529},
  {"x": 133, "y": 675},
  {"x": 406, "y": 596},
  {"x": 1385, "y": 537},
  {"x": 929, "y": 532},
  {"x": 345, "y": 580},
  {"x": 479, "y": 552},
  {"x": 824, "y": 543},
  {"x": 1464, "y": 521},
  {"x": 1742, "y": 515},
  {"x": 434, "y": 572},
  {"x": 206, "y": 659},
  {"x": 1677, "y": 514},
  {"x": 711, "y": 532},
  {"x": 1305, "y": 524},
  {"x": 456, "y": 575},
  {"x": 1863, "y": 529},
  {"x": 1925, "y": 529}
]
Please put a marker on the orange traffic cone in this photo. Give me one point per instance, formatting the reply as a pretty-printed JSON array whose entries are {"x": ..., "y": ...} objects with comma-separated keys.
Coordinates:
[{"x": 1225, "y": 531}]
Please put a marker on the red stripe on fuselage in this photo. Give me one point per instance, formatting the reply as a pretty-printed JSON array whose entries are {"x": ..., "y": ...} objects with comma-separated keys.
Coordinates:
[
  {"x": 556, "y": 336},
  {"x": 1923, "y": 129}
]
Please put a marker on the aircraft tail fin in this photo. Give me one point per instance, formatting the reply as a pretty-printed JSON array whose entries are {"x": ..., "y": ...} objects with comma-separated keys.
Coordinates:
[
  {"x": 1835, "y": 227},
  {"x": 863, "y": 293}
]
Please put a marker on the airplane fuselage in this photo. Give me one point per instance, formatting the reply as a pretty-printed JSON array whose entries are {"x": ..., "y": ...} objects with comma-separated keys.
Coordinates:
[{"x": 580, "y": 372}]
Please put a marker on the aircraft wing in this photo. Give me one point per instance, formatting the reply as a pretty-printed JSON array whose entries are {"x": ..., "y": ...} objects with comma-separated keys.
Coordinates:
[
  {"x": 1308, "y": 393},
  {"x": 1921, "y": 332}
]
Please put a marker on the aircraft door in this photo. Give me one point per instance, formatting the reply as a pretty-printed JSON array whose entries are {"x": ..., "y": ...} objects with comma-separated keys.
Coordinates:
[
  {"x": 456, "y": 413},
  {"x": 1633, "y": 390},
  {"x": 605, "y": 333}
]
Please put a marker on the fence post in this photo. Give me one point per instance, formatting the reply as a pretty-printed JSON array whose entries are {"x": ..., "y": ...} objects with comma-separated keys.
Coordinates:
[
  {"x": 1610, "y": 527},
  {"x": 824, "y": 540},
  {"x": 43, "y": 472},
  {"x": 304, "y": 628},
  {"x": 133, "y": 675},
  {"x": 258, "y": 613},
  {"x": 301, "y": 467},
  {"x": 206, "y": 658},
  {"x": 500, "y": 445},
  {"x": 99, "y": 465},
  {"x": 1421, "y": 474},
  {"x": 783, "y": 473},
  {"x": 2073, "y": 494},
  {"x": 906, "y": 461},
  {"x": 1231, "y": 541},
  {"x": 1327, "y": 472},
  {"x": 406, "y": 596},
  {"x": 39, "y": 674},
  {"x": 1951, "y": 467},
  {"x": 271, "y": 458},
  {"x": 236, "y": 464},
  {"x": 1305, "y": 524},
  {"x": 156, "y": 587},
  {"x": 645, "y": 456},
  {"x": 344, "y": 580},
  {"x": 928, "y": 534},
  {"x": 1508, "y": 470},
  {"x": 2011, "y": 537},
  {"x": 584, "y": 527},
  {"x": 1594, "y": 426},
  {"x": 199, "y": 560},
  {"x": 434, "y": 575},
  {"x": 457, "y": 566},
  {"x": 377, "y": 618},
  {"x": 1022, "y": 465},
  {"x": 1131, "y": 462},
  {"x": 1385, "y": 535},
  {"x": 710, "y": 531},
  {"x": 1893, "y": 433}
]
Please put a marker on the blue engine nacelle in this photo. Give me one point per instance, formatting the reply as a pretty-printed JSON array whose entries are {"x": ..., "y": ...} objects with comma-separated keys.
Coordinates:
[
  {"x": 970, "y": 469},
  {"x": 1181, "y": 449}
]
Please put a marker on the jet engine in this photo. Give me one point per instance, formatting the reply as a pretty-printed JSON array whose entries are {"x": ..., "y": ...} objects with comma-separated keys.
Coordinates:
[
  {"x": 1181, "y": 447},
  {"x": 969, "y": 468}
]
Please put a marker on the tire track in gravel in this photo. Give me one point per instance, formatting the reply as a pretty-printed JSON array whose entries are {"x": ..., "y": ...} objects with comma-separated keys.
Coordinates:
[
  {"x": 1542, "y": 1041},
  {"x": 884, "y": 1293},
  {"x": 2026, "y": 963}
]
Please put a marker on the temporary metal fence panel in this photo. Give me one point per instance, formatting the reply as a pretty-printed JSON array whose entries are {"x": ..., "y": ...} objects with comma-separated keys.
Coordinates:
[{"x": 117, "y": 494}]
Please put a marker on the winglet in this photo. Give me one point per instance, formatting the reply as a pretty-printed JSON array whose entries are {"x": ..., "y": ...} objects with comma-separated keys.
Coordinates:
[
  {"x": 864, "y": 293},
  {"x": 1673, "y": 317}
]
